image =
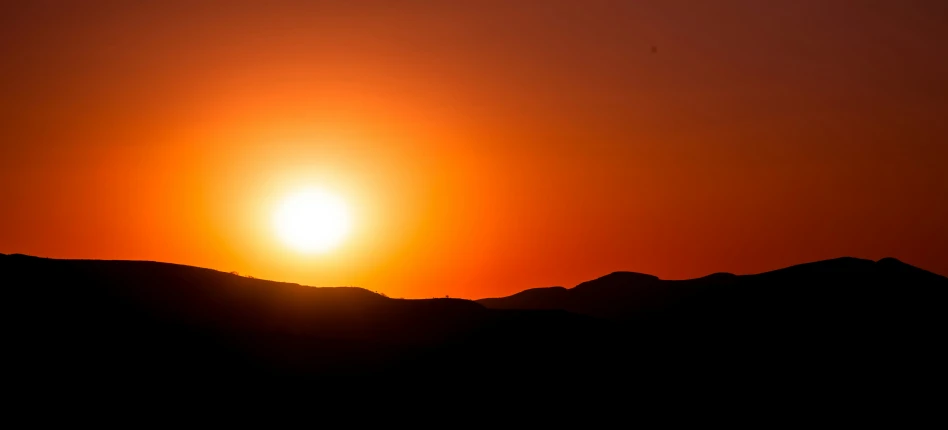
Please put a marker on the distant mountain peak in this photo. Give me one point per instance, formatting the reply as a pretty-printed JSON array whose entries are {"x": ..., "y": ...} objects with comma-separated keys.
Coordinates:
[
  {"x": 628, "y": 276},
  {"x": 718, "y": 276},
  {"x": 895, "y": 265},
  {"x": 818, "y": 284},
  {"x": 617, "y": 279},
  {"x": 834, "y": 265}
]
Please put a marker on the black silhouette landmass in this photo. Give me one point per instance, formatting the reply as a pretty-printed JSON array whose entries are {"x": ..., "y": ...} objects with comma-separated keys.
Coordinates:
[
  {"x": 843, "y": 288},
  {"x": 863, "y": 326}
]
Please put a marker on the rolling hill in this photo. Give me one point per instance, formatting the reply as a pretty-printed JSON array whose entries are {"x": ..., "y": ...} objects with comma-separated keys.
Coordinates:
[{"x": 134, "y": 325}]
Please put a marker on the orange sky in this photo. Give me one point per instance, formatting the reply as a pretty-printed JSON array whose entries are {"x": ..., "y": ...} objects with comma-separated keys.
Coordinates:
[{"x": 484, "y": 147}]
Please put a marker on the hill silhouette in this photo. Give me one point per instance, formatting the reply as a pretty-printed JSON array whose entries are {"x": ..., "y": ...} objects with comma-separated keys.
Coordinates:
[
  {"x": 135, "y": 325},
  {"x": 839, "y": 288}
]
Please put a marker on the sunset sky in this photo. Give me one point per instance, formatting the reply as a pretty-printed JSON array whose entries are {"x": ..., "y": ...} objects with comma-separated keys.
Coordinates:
[{"x": 481, "y": 147}]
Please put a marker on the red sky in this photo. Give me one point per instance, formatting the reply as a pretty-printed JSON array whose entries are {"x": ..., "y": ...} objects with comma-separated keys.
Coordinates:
[{"x": 484, "y": 147}]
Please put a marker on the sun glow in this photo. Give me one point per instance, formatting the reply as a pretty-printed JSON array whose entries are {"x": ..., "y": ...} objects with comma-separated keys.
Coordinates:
[{"x": 312, "y": 221}]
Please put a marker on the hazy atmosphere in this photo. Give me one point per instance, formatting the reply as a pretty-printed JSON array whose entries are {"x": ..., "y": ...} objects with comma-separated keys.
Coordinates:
[{"x": 479, "y": 148}]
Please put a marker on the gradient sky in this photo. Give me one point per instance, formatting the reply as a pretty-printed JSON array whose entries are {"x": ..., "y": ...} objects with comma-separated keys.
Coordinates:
[{"x": 485, "y": 147}]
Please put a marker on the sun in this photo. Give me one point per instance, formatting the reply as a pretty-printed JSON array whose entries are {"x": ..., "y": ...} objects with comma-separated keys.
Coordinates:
[{"x": 312, "y": 221}]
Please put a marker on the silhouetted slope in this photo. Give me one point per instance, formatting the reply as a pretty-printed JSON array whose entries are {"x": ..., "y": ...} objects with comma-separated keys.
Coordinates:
[
  {"x": 156, "y": 326},
  {"x": 837, "y": 287},
  {"x": 864, "y": 328},
  {"x": 159, "y": 322}
]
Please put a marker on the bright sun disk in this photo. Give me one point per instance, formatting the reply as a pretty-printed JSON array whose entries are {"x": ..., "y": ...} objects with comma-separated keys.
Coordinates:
[{"x": 312, "y": 221}]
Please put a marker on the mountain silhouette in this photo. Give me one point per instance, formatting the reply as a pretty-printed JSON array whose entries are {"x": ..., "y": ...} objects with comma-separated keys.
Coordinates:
[
  {"x": 136, "y": 325},
  {"x": 841, "y": 288}
]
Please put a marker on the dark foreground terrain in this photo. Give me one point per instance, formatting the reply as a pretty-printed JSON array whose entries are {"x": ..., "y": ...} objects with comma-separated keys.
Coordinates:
[{"x": 844, "y": 330}]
